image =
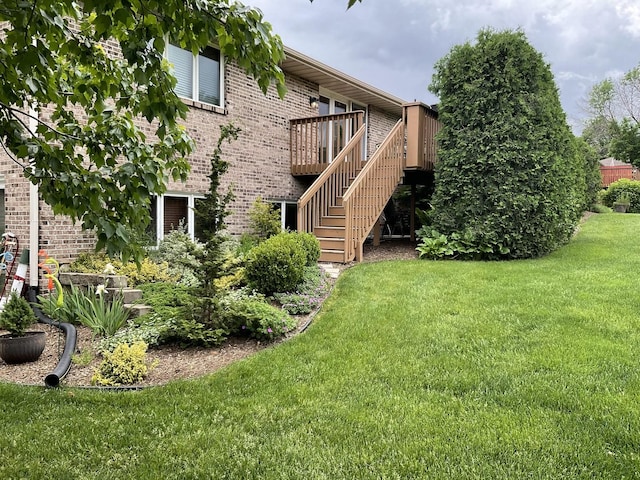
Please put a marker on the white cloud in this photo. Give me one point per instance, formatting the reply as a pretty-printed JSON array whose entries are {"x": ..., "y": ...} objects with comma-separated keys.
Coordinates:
[
  {"x": 567, "y": 76},
  {"x": 442, "y": 21},
  {"x": 629, "y": 11},
  {"x": 394, "y": 44}
]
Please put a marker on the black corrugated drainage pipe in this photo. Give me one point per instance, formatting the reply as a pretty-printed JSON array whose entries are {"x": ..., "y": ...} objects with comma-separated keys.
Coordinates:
[{"x": 64, "y": 364}]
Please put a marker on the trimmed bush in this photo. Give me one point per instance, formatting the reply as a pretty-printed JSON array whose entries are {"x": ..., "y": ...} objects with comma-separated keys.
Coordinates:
[
  {"x": 620, "y": 189},
  {"x": 509, "y": 178},
  {"x": 311, "y": 246},
  {"x": 258, "y": 319},
  {"x": 277, "y": 264},
  {"x": 17, "y": 315}
]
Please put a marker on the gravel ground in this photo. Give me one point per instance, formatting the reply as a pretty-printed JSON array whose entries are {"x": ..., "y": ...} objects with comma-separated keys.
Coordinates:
[{"x": 172, "y": 362}]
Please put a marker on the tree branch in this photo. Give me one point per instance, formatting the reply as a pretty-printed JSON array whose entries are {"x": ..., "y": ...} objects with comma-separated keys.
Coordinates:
[
  {"x": 33, "y": 117},
  {"x": 11, "y": 156}
]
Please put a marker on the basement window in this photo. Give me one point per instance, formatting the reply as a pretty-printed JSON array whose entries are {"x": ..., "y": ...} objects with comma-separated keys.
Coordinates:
[{"x": 171, "y": 212}]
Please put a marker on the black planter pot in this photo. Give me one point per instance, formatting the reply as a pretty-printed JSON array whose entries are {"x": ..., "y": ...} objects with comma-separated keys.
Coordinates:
[{"x": 27, "y": 348}]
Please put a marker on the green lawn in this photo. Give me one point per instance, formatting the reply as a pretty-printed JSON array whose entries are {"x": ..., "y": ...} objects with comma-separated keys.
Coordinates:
[{"x": 418, "y": 369}]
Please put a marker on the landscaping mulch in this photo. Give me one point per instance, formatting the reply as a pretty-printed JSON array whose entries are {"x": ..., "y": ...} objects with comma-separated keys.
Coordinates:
[{"x": 173, "y": 362}]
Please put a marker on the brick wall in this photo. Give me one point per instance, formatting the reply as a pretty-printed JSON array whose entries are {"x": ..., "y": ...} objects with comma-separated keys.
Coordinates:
[
  {"x": 380, "y": 124},
  {"x": 259, "y": 159}
]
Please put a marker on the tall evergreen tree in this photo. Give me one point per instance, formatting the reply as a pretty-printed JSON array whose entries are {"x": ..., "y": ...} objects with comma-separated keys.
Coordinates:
[{"x": 509, "y": 179}]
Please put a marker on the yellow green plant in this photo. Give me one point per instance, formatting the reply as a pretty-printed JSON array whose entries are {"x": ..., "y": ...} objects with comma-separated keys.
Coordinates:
[{"x": 125, "y": 366}]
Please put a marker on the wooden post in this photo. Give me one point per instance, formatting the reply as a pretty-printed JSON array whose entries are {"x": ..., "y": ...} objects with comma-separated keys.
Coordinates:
[
  {"x": 377, "y": 232},
  {"x": 415, "y": 136},
  {"x": 412, "y": 221}
]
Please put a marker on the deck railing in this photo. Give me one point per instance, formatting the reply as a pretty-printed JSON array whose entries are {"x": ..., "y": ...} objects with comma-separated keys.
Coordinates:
[
  {"x": 367, "y": 196},
  {"x": 422, "y": 127},
  {"x": 331, "y": 183},
  {"x": 315, "y": 140}
]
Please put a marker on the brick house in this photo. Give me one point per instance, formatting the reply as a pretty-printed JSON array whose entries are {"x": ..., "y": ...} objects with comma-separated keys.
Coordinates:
[{"x": 283, "y": 147}]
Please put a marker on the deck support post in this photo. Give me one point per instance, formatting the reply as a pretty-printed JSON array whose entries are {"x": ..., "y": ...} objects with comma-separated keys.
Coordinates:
[{"x": 412, "y": 218}]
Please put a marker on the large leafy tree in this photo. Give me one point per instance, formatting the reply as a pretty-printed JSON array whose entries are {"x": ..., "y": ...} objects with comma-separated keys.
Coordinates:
[
  {"x": 625, "y": 144},
  {"x": 509, "y": 180},
  {"x": 614, "y": 126},
  {"x": 77, "y": 79}
]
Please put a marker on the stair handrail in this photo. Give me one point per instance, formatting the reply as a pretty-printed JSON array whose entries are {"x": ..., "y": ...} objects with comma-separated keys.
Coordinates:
[
  {"x": 315, "y": 202},
  {"x": 367, "y": 196}
]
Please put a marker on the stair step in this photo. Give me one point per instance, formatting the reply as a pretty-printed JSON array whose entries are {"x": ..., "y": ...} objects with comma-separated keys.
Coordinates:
[
  {"x": 92, "y": 279},
  {"x": 332, "y": 232},
  {"x": 339, "y": 201},
  {"x": 137, "y": 310},
  {"x": 129, "y": 295},
  {"x": 331, "y": 243},
  {"x": 333, "y": 221},
  {"x": 336, "y": 211},
  {"x": 332, "y": 256}
]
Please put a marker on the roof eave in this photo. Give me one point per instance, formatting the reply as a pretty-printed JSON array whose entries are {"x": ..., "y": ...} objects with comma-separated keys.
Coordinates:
[{"x": 298, "y": 64}]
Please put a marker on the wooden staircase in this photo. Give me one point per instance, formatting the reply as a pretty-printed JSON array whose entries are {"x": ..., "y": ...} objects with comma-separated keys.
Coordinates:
[
  {"x": 346, "y": 200},
  {"x": 331, "y": 233}
]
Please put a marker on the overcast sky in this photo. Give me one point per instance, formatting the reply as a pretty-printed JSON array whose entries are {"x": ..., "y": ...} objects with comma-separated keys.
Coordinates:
[{"x": 393, "y": 44}]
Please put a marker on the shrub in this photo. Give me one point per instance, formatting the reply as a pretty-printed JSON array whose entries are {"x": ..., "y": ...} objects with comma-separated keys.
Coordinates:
[
  {"x": 190, "y": 332},
  {"x": 509, "y": 175},
  {"x": 165, "y": 294},
  {"x": 151, "y": 333},
  {"x": 258, "y": 319},
  {"x": 89, "y": 262},
  {"x": 180, "y": 253},
  {"x": 180, "y": 317},
  {"x": 620, "y": 189},
  {"x": 276, "y": 265},
  {"x": 232, "y": 271},
  {"x": 149, "y": 271},
  {"x": 264, "y": 220},
  {"x": 125, "y": 366},
  {"x": 17, "y": 315},
  {"x": 311, "y": 246},
  {"x": 309, "y": 294}
]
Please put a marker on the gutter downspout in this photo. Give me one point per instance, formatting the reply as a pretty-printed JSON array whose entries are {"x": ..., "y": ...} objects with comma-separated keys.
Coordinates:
[
  {"x": 34, "y": 228},
  {"x": 34, "y": 214},
  {"x": 53, "y": 378}
]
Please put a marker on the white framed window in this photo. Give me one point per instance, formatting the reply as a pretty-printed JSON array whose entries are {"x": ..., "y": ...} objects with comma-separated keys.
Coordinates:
[
  {"x": 200, "y": 77},
  {"x": 288, "y": 214},
  {"x": 172, "y": 210}
]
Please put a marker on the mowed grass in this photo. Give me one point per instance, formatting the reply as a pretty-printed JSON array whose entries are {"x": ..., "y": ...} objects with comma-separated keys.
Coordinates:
[{"x": 413, "y": 369}]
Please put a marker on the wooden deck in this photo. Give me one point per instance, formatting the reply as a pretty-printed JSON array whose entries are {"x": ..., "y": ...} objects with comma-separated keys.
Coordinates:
[{"x": 349, "y": 194}]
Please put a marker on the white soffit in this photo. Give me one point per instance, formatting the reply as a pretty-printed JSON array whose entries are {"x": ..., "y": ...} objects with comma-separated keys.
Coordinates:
[{"x": 327, "y": 77}]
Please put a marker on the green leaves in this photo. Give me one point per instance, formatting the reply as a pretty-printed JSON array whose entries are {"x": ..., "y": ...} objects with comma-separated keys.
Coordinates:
[
  {"x": 509, "y": 180},
  {"x": 102, "y": 78}
]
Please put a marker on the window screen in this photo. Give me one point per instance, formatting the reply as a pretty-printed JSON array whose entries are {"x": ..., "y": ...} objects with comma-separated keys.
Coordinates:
[{"x": 182, "y": 61}]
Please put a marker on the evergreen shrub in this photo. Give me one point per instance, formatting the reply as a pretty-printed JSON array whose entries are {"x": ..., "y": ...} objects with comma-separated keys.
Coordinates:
[
  {"x": 509, "y": 177},
  {"x": 277, "y": 264},
  {"x": 620, "y": 189}
]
